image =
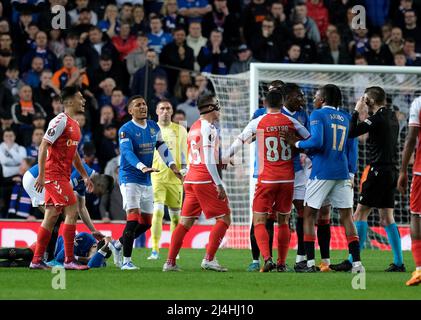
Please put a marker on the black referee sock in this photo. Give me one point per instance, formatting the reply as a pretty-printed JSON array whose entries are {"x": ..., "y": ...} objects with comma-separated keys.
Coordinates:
[
  {"x": 270, "y": 229},
  {"x": 128, "y": 238},
  {"x": 323, "y": 237},
  {"x": 255, "y": 252},
  {"x": 354, "y": 250},
  {"x": 301, "y": 251}
]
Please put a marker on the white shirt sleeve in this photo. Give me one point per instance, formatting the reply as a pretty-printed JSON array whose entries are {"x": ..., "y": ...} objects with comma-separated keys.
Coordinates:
[
  {"x": 414, "y": 113},
  {"x": 302, "y": 131},
  {"x": 56, "y": 128},
  {"x": 209, "y": 137}
]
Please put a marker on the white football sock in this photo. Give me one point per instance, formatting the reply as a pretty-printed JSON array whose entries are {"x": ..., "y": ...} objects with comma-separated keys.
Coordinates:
[
  {"x": 311, "y": 263},
  {"x": 299, "y": 258},
  {"x": 126, "y": 260}
]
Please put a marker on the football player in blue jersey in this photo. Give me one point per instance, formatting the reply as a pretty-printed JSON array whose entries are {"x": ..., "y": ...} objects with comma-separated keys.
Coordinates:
[
  {"x": 138, "y": 140},
  {"x": 330, "y": 177}
]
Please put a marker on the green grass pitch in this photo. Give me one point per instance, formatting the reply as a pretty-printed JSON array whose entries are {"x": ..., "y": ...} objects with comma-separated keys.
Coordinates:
[{"x": 151, "y": 283}]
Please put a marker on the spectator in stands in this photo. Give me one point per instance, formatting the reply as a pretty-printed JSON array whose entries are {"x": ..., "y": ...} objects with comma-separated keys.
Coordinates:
[
  {"x": 83, "y": 25},
  {"x": 124, "y": 42},
  {"x": 252, "y": 16},
  {"x": 108, "y": 68},
  {"x": 223, "y": 19},
  {"x": 196, "y": 41},
  {"x": 23, "y": 112},
  {"x": 300, "y": 15},
  {"x": 158, "y": 38},
  {"x": 215, "y": 58},
  {"x": 189, "y": 107},
  {"x": 6, "y": 43},
  {"x": 179, "y": 117},
  {"x": 140, "y": 23},
  {"x": 308, "y": 47},
  {"x": 140, "y": 82},
  {"x": 360, "y": 44},
  {"x": 266, "y": 45},
  {"x": 111, "y": 204},
  {"x": 377, "y": 12},
  {"x": 202, "y": 82},
  {"x": 333, "y": 52},
  {"x": 176, "y": 54},
  {"x": 386, "y": 32},
  {"x": 137, "y": 58},
  {"x": 411, "y": 28},
  {"x": 20, "y": 202},
  {"x": 56, "y": 42},
  {"x": 396, "y": 41},
  {"x": 193, "y": 10},
  {"x": 70, "y": 75},
  {"x": 6, "y": 122},
  {"x": 12, "y": 81},
  {"x": 110, "y": 24},
  {"x": 74, "y": 14},
  {"x": 46, "y": 91},
  {"x": 278, "y": 14},
  {"x": 89, "y": 156},
  {"x": 41, "y": 50},
  {"x": 21, "y": 33},
  {"x": 107, "y": 87},
  {"x": 399, "y": 59},
  {"x": 4, "y": 26},
  {"x": 293, "y": 54},
  {"x": 109, "y": 147},
  {"x": 32, "y": 149},
  {"x": 6, "y": 99},
  {"x": 106, "y": 115},
  {"x": 57, "y": 107},
  {"x": 11, "y": 154},
  {"x": 379, "y": 54},
  {"x": 244, "y": 58},
  {"x": 171, "y": 17},
  {"x": 94, "y": 47},
  {"x": 126, "y": 12},
  {"x": 118, "y": 103},
  {"x": 399, "y": 15},
  {"x": 160, "y": 93},
  {"x": 5, "y": 61},
  {"x": 39, "y": 121},
  {"x": 318, "y": 12},
  {"x": 412, "y": 57},
  {"x": 86, "y": 134},
  {"x": 71, "y": 42},
  {"x": 183, "y": 81}
]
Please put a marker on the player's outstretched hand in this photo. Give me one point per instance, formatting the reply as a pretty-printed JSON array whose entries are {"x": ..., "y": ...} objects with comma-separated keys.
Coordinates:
[
  {"x": 221, "y": 192},
  {"x": 39, "y": 184},
  {"x": 289, "y": 137},
  {"x": 146, "y": 170},
  {"x": 98, "y": 235},
  {"x": 403, "y": 182},
  {"x": 89, "y": 184}
]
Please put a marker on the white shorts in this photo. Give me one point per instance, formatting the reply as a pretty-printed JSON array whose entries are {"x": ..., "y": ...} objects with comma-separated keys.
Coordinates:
[
  {"x": 339, "y": 193},
  {"x": 300, "y": 182},
  {"x": 28, "y": 183},
  {"x": 137, "y": 196}
]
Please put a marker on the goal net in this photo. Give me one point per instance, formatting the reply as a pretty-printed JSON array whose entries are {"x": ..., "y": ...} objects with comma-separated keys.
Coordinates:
[{"x": 240, "y": 95}]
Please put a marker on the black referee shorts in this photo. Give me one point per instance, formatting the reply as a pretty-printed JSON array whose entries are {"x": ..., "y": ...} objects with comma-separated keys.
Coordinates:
[{"x": 378, "y": 187}]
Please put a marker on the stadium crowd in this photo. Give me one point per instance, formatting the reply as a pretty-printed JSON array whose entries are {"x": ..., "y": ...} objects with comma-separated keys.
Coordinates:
[{"x": 113, "y": 49}]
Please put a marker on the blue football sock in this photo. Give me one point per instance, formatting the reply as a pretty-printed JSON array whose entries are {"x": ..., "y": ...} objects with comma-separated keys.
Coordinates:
[
  {"x": 395, "y": 242},
  {"x": 362, "y": 228}
]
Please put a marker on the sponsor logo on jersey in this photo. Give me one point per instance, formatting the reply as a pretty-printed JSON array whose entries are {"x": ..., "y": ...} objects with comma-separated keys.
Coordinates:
[
  {"x": 71, "y": 142},
  {"x": 122, "y": 135},
  {"x": 51, "y": 132}
]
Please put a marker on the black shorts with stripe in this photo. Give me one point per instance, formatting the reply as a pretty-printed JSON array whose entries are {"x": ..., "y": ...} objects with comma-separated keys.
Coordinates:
[{"x": 378, "y": 187}]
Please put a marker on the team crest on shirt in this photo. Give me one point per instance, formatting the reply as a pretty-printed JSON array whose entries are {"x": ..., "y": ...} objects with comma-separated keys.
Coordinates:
[
  {"x": 153, "y": 132},
  {"x": 211, "y": 137},
  {"x": 122, "y": 135},
  {"x": 51, "y": 132}
]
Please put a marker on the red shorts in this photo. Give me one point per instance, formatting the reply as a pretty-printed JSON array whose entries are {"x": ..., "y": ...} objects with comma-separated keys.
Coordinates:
[
  {"x": 59, "y": 194},
  {"x": 415, "y": 197},
  {"x": 203, "y": 197},
  {"x": 273, "y": 197}
]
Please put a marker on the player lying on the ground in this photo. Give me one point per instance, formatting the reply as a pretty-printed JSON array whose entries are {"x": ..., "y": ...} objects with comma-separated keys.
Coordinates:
[
  {"x": 102, "y": 184},
  {"x": 87, "y": 251},
  {"x": 203, "y": 187},
  {"x": 415, "y": 197},
  {"x": 330, "y": 178},
  {"x": 380, "y": 174}
]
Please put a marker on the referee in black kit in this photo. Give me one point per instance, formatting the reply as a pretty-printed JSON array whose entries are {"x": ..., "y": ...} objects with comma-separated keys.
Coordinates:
[{"x": 379, "y": 180}]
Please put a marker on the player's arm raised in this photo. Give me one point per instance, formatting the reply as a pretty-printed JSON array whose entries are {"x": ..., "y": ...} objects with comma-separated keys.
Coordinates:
[
  {"x": 126, "y": 148},
  {"x": 313, "y": 140},
  {"x": 358, "y": 129},
  {"x": 166, "y": 156},
  {"x": 77, "y": 163},
  {"x": 247, "y": 136}
]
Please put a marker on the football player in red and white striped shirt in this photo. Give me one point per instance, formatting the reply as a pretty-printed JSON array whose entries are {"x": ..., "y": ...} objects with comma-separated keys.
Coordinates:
[
  {"x": 57, "y": 154},
  {"x": 203, "y": 187},
  {"x": 275, "y": 184},
  {"x": 415, "y": 196}
]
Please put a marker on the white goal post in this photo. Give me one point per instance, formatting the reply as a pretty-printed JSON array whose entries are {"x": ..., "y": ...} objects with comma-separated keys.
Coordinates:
[{"x": 241, "y": 95}]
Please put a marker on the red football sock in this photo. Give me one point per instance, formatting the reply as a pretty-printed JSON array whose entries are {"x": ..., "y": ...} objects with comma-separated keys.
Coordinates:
[
  {"x": 284, "y": 235},
  {"x": 262, "y": 238},
  {"x": 43, "y": 238},
  {"x": 416, "y": 252},
  {"x": 176, "y": 242},
  {"x": 215, "y": 238},
  {"x": 69, "y": 231}
]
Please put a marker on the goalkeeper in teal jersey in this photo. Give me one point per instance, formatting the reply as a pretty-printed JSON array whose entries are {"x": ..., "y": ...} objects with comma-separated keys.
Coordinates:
[{"x": 329, "y": 177}]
